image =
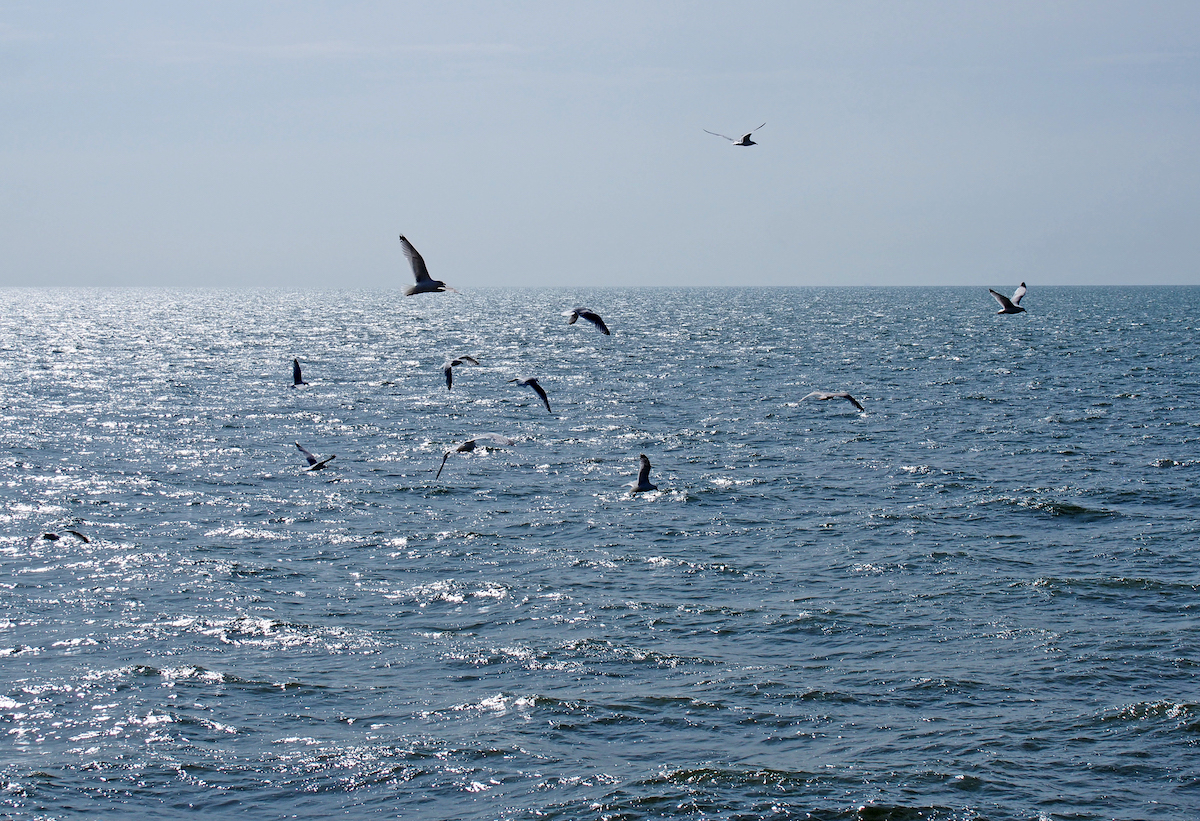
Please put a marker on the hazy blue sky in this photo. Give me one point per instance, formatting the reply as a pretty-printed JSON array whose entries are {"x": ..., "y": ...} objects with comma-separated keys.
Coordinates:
[{"x": 558, "y": 143}]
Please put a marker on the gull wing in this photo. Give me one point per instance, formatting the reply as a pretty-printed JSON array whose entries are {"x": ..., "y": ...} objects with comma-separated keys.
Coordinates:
[
  {"x": 444, "y": 458},
  {"x": 533, "y": 383},
  {"x": 1017, "y": 294},
  {"x": 715, "y": 134},
  {"x": 850, "y": 399},
  {"x": 594, "y": 318},
  {"x": 644, "y": 471},
  {"x": 311, "y": 457},
  {"x": 493, "y": 440},
  {"x": 415, "y": 259},
  {"x": 1004, "y": 301}
]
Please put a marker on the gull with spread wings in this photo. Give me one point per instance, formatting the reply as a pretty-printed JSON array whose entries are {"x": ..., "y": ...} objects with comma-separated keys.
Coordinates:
[
  {"x": 744, "y": 140},
  {"x": 313, "y": 462},
  {"x": 449, "y": 365},
  {"x": 1010, "y": 306},
  {"x": 834, "y": 395},
  {"x": 425, "y": 283},
  {"x": 483, "y": 440}
]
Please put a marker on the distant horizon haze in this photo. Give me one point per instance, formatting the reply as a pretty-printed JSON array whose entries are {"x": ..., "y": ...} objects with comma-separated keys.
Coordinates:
[{"x": 528, "y": 145}]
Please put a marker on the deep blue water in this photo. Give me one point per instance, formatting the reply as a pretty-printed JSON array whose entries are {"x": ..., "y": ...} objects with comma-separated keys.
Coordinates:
[{"x": 977, "y": 599}]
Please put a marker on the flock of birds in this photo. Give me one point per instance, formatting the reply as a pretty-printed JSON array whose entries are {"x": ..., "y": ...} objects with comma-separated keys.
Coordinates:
[{"x": 426, "y": 284}]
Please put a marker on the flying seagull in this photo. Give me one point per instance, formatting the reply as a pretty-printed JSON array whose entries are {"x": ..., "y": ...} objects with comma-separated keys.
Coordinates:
[
  {"x": 425, "y": 284},
  {"x": 54, "y": 537},
  {"x": 483, "y": 440},
  {"x": 1010, "y": 306},
  {"x": 834, "y": 395},
  {"x": 643, "y": 480},
  {"x": 297, "y": 379},
  {"x": 448, "y": 366},
  {"x": 533, "y": 383},
  {"x": 745, "y": 140},
  {"x": 588, "y": 314},
  {"x": 313, "y": 461}
]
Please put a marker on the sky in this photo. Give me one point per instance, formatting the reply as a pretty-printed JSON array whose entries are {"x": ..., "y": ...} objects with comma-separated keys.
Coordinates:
[{"x": 536, "y": 144}]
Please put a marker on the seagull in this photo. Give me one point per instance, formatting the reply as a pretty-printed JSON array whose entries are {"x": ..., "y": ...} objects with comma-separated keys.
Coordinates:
[
  {"x": 588, "y": 314},
  {"x": 54, "y": 537},
  {"x": 745, "y": 140},
  {"x": 483, "y": 440},
  {"x": 643, "y": 480},
  {"x": 1010, "y": 306},
  {"x": 449, "y": 364},
  {"x": 313, "y": 461},
  {"x": 533, "y": 383},
  {"x": 834, "y": 395},
  {"x": 297, "y": 380},
  {"x": 425, "y": 285}
]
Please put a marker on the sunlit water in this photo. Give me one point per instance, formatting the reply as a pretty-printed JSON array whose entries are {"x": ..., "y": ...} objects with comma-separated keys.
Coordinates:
[{"x": 978, "y": 599}]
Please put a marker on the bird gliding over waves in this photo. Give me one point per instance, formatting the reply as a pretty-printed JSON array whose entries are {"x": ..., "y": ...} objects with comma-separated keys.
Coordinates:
[
  {"x": 588, "y": 314},
  {"x": 745, "y": 138},
  {"x": 449, "y": 364},
  {"x": 313, "y": 462},
  {"x": 834, "y": 395},
  {"x": 1010, "y": 306},
  {"x": 484, "y": 440},
  {"x": 54, "y": 537},
  {"x": 297, "y": 379},
  {"x": 425, "y": 284},
  {"x": 643, "y": 483},
  {"x": 533, "y": 383}
]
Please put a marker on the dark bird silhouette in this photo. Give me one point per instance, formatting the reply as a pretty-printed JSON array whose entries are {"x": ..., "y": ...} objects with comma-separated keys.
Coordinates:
[
  {"x": 425, "y": 283},
  {"x": 54, "y": 537},
  {"x": 588, "y": 314},
  {"x": 313, "y": 462},
  {"x": 484, "y": 440},
  {"x": 643, "y": 483},
  {"x": 297, "y": 379},
  {"x": 449, "y": 365},
  {"x": 744, "y": 140},
  {"x": 1010, "y": 306},
  {"x": 533, "y": 383},
  {"x": 834, "y": 395}
]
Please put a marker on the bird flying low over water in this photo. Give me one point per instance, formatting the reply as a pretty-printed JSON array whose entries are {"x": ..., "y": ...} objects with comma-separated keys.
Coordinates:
[
  {"x": 588, "y": 314},
  {"x": 744, "y": 140},
  {"x": 643, "y": 483},
  {"x": 425, "y": 284},
  {"x": 297, "y": 379},
  {"x": 533, "y": 383},
  {"x": 54, "y": 537},
  {"x": 449, "y": 365},
  {"x": 1010, "y": 306},
  {"x": 834, "y": 395},
  {"x": 313, "y": 462},
  {"x": 483, "y": 440}
]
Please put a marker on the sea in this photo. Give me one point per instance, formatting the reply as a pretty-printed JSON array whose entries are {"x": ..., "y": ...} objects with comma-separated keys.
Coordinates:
[{"x": 977, "y": 598}]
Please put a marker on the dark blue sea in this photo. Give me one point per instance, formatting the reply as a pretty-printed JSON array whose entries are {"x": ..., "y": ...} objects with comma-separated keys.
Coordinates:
[{"x": 979, "y": 598}]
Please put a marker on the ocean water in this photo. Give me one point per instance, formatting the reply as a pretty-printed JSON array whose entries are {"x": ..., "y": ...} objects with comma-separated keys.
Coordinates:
[{"x": 978, "y": 599}]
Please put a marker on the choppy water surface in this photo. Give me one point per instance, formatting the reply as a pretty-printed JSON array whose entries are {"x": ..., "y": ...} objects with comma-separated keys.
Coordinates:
[{"x": 978, "y": 599}]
